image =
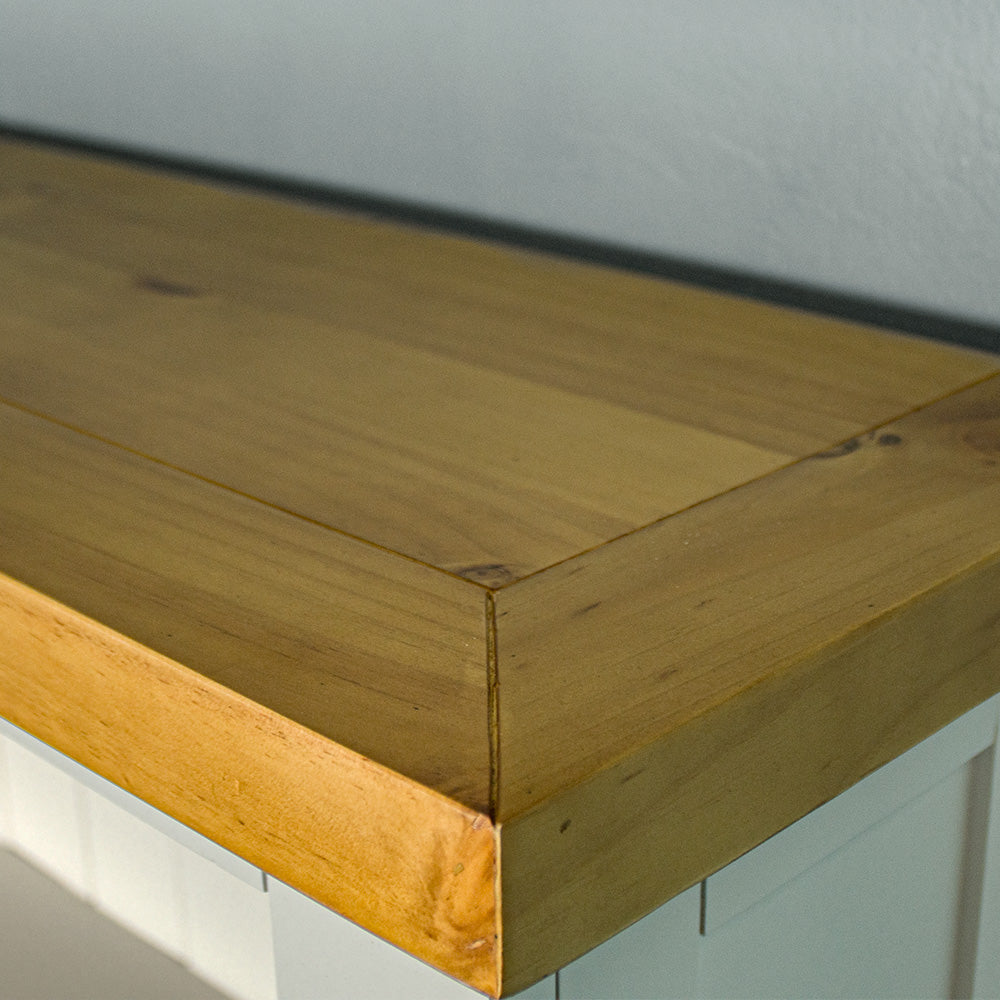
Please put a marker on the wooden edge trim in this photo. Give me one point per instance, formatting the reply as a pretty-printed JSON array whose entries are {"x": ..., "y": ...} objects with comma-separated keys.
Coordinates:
[
  {"x": 588, "y": 862},
  {"x": 399, "y": 859}
]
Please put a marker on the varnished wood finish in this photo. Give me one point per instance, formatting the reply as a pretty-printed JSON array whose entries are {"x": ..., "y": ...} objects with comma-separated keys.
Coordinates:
[
  {"x": 486, "y": 411},
  {"x": 303, "y": 807},
  {"x": 780, "y": 669},
  {"x": 663, "y": 625},
  {"x": 488, "y": 597},
  {"x": 375, "y": 652}
]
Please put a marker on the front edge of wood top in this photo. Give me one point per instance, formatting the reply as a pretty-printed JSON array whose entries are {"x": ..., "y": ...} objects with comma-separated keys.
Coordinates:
[
  {"x": 401, "y": 860},
  {"x": 370, "y": 650},
  {"x": 739, "y": 665}
]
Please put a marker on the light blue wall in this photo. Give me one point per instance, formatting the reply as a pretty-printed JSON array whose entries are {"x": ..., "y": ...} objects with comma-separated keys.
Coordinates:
[{"x": 853, "y": 144}]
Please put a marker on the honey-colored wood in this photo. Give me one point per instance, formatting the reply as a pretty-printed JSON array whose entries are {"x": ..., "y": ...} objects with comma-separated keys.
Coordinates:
[
  {"x": 308, "y": 810},
  {"x": 484, "y": 474},
  {"x": 663, "y": 625},
  {"x": 788, "y": 381},
  {"x": 776, "y": 703},
  {"x": 375, "y": 652},
  {"x": 487, "y": 597},
  {"x": 487, "y": 411}
]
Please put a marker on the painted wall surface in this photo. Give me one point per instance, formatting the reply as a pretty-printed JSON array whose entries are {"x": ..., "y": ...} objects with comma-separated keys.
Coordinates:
[{"x": 850, "y": 144}]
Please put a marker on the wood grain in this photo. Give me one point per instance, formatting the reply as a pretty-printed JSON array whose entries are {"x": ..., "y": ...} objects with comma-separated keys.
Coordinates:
[
  {"x": 454, "y": 464},
  {"x": 309, "y": 811},
  {"x": 488, "y": 597},
  {"x": 372, "y": 651},
  {"x": 597, "y": 857},
  {"x": 781, "y": 670},
  {"x": 487, "y": 411},
  {"x": 785, "y": 380},
  {"x": 659, "y": 626}
]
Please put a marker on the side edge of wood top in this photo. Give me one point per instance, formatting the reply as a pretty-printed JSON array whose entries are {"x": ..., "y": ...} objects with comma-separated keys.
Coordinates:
[
  {"x": 412, "y": 866},
  {"x": 659, "y": 625},
  {"x": 591, "y": 861},
  {"x": 771, "y": 646},
  {"x": 375, "y": 652}
]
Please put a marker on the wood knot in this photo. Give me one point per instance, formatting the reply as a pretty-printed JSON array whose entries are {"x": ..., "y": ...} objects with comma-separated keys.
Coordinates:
[
  {"x": 490, "y": 574},
  {"x": 847, "y": 448},
  {"x": 163, "y": 286},
  {"x": 888, "y": 440}
]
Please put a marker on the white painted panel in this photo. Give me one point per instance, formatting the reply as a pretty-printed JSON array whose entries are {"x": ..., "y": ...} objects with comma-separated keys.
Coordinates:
[
  {"x": 49, "y": 819},
  {"x": 318, "y": 953},
  {"x": 138, "y": 877},
  {"x": 794, "y": 850},
  {"x": 655, "y": 959},
  {"x": 987, "y": 964},
  {"x": 545, "y": 989},
  {"x": 878, "y": 918},
  {"x": 229, "y": 930},
  {"x": 6, "y": 815},
  {"x": 167, "y": 825},
  {"x": 53, "y": 946},
  {"x": 187, "y": 896}
]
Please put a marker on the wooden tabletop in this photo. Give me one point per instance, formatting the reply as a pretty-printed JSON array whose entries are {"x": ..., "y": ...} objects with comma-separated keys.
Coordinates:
[{"x": 488, "y": 597}]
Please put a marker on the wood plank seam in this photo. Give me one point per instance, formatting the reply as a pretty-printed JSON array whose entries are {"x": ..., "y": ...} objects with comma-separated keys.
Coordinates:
[
  {"x": 896, "y": 655},
  {"x": 834, "y": 449},
  {"x": 675, "y": 811},
  {"x": 617, "y": 464},
  {"x": 290, "y": 614},
  {"x": 137, "y": 453},
  {"x": 489, "y": 587},
  {"x": 493, "y": 699}
]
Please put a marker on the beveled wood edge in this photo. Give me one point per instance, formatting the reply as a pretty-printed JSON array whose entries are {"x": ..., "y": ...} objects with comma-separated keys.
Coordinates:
[
  {"x": 401, "y": 860},
  {"x": 586, "y": 863},
  {"x": 393, "y": 829},
  {"x": 217, "y": 762}
]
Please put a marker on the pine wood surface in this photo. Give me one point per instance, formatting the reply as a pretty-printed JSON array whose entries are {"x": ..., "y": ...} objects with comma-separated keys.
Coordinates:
[
  {"x": 372, "y": 651},
  {"x": 306, "y": 809},
  {"x": 465, "y": 405},
  {"x": 604, "y": 578},
  {"x": 830, "y": 644},
  {"x": 662, "y": 625}
]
